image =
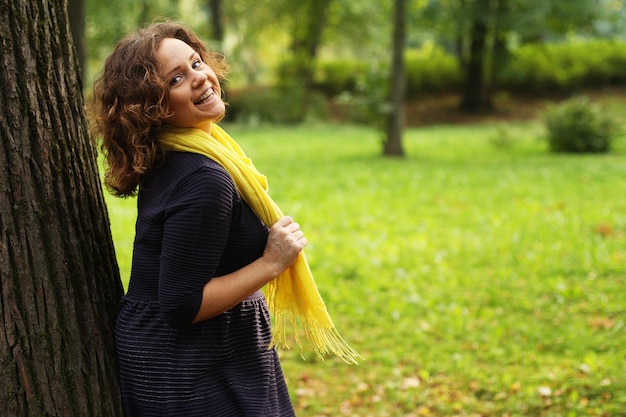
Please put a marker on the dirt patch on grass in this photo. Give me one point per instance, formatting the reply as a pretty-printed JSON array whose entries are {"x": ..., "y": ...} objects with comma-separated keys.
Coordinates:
[{"x": 445, "y": 109}]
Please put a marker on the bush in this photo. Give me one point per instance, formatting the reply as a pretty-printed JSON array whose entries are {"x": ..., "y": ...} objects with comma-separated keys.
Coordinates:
[
  {"x": 340, "y": 75},
  {"x": 369, "y": 102},
  {"x": 557, "y": 67},
  {"x": 428, "y": 69},
  {"x": 262, "y": 104},
  {"x": 579, "y": 126},
  {"x": 566, "y": 66}
]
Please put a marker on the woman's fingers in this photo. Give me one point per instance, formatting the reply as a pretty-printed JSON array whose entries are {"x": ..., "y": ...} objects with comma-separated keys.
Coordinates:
[{"x": 285, "y": 241}]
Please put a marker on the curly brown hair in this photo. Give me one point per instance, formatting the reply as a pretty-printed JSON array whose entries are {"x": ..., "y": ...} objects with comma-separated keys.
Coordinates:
[{"x": 130, "y": 103}]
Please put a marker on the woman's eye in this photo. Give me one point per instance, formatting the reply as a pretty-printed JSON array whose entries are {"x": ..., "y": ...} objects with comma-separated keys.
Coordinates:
[
  {"x": 196, "y": 64},
  {"x": 175, "y": 80}
]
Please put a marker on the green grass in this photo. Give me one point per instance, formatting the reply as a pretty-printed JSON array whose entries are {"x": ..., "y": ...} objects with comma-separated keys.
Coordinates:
[{"x": 475, "y": 279}]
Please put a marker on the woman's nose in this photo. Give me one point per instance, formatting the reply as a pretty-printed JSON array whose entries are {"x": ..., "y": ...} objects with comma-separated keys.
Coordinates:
[{"x": 199, "y": 78}]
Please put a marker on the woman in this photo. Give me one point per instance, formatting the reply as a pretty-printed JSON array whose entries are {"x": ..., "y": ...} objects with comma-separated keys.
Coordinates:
[{"x": 193, "y": 329}]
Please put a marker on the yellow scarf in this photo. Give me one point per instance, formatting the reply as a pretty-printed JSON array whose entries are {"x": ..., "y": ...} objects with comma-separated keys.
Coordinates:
[{"x": 293, "y": 294}]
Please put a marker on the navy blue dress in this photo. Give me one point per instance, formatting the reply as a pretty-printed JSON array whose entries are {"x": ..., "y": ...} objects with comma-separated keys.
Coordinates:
[{"x": 193, "y": 225}]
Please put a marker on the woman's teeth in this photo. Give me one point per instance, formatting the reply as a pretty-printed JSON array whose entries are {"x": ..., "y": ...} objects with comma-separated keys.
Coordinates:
[{"x": 205, "y": 97}]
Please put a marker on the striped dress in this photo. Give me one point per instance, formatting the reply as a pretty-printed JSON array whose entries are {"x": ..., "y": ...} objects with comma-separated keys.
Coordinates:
[{"x": 193, "y": 225}]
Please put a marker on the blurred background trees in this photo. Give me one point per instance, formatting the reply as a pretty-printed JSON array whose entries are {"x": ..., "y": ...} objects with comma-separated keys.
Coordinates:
[{"x": 322, "y": 59}]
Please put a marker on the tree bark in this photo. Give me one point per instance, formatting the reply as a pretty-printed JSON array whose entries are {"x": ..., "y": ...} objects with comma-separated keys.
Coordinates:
[
  {"x": 60, "y": 283},
  {"x": 395, "y": 118}
]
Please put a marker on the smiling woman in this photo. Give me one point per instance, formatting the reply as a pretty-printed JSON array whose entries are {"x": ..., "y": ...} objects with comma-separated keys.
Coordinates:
[{"x": 193, "y": 330}]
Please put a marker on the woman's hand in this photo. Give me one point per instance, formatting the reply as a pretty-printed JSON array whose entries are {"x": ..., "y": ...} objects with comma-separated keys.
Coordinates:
[{"x": 284, "y": 244}]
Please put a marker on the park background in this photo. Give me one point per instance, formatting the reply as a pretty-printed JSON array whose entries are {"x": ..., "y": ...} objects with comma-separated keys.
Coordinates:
[{"x": 478, "y": 273}]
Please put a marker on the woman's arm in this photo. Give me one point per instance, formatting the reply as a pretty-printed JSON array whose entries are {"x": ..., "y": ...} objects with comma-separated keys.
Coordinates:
[{"x": 284, "y": 243}]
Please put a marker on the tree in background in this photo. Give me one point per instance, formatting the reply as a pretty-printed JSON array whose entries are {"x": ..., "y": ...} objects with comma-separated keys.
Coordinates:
[
  {"x": 217, "y": 21},
  {"x": 474, "y": 95},
  {"x": 395, "y": 116},
  {"x": 481, "y": 33},
  {"x": 60, "y": 281},
  {"x": 292, "y": 33},
  {"x": 308, "y": 21}
]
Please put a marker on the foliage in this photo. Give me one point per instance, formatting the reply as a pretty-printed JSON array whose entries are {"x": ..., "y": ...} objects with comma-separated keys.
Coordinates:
[
  {"x": 533, "y": 68},
  {"x": 258, "y": 104},
  {"x": 475, "y": 280},
  {"x": 107, "y": 21},
  {"x": 482, "y": 31},
  {"x": 579, "y": 126},
  {"x": 360, "y": 88},
  {"x": 525, "y": 21},
  {"x": 335, "y": 76},
  {"x": 566, "y": 66},
  {"x": 430, "y": 69},
  {"x": 369, "y": 102}
]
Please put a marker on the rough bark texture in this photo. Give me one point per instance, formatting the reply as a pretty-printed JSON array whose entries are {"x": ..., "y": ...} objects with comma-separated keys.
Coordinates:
[
  {"x": 59, "y": 278},
  {"x": 395, "y": 118}
]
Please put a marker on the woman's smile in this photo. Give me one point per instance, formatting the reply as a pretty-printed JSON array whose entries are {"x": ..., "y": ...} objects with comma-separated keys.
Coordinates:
[{"x": 206, "y": 97}]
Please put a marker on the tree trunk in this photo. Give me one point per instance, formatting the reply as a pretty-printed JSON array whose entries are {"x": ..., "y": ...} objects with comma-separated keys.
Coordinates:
[
  {"x": 395, "y": 118},
  {"x": 475, "y": 99},
  {"x": 307, "y": 36},
  {"x": 499, "y": 52},
  {"x": 60, "y": 283},
  {"x": 214, "y": 7},
  {"x": 217, "y": 22}
]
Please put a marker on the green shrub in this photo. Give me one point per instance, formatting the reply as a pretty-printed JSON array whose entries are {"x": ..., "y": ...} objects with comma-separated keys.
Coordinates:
[
  {"x": 340, "y": 75},
  {"x": 431, "y": 69},
  {"x": 579, "y": 126},
  {"x": 262, "y": 104},
  {"x": 428, "y": 69},
  {"x": 532, "y": 68},
  {"x": 368, "y": 102},
  {"x": 567, "y": 66}
]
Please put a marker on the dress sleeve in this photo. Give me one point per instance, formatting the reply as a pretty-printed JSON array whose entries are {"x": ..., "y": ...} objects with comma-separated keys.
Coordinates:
[{"x": 195, "y": 232}]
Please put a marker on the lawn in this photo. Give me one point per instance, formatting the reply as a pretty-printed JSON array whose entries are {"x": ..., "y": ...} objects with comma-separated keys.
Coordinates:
[{"x": 478, "y": 276}]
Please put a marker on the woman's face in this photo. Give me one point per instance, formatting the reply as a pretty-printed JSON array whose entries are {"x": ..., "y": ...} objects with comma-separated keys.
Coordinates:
[{"x": 194, "y": 90}]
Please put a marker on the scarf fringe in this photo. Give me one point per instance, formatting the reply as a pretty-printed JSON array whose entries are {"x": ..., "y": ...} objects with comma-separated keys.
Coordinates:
[{"x": 325, "y": 341}]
